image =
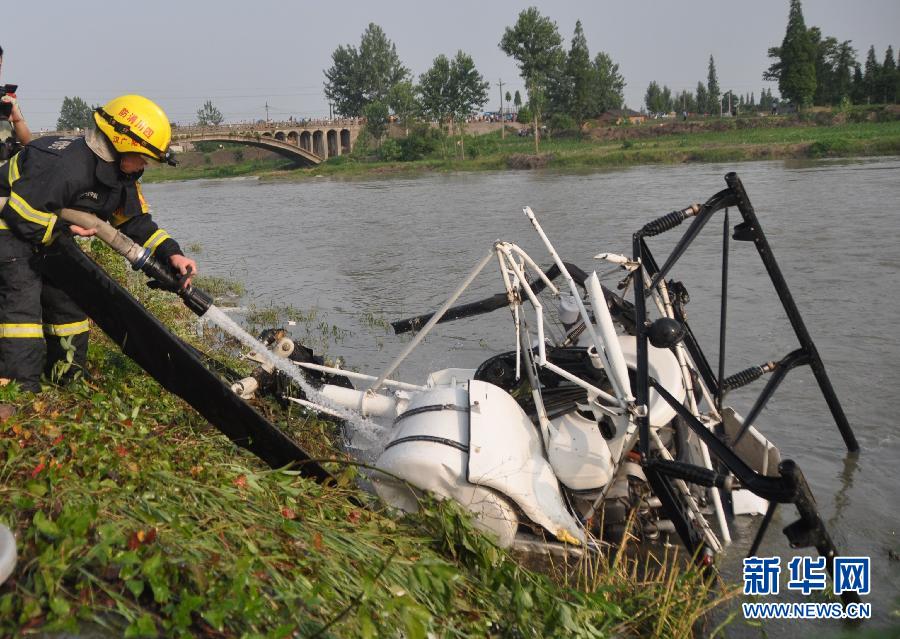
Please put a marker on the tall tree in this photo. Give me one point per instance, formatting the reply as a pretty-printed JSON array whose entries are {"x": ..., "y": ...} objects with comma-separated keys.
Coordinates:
[
  {"x": 376, "y": 115},
  {"x": 558, "y": 89},
  {"x": 843, "y": 64},
  {"x": 360, "y": 76},
  {"x": 702, "y": 98},
  {"x": 609, "y": 85},
  {"x": 858, "y": 86},
  {"x": 581, "y": 74},
  {"x": 451, "y": 90},
  {"x": 535, "y": 43},
  {"x": 826, "y": 54},
  {"x": 74, "y": 114},
  {"x": 471, "y": 89},
  {"x": 403, "y": 103},
  {"x": 834, "y": 64},
  {"x": 887, "y": 84},
  {"x": 209, "y": 115},
  {"x": 872, "y": 76},
  {"x": 653, "y": 98},
  {"x": 434, "y": 91},
  {"x": 517, "y": 99},
  {"x": 795, "y": 60},
  {"x": 470, "y": 92},
  {"x": 666, "y": 101},
  {"x": 713, "y": 105},
  {"x": 897, "y": 78},
  {"x": 685, "y": 102}
]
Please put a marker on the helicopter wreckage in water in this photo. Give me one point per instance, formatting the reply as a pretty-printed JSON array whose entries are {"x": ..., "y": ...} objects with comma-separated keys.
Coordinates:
[{"x": 618, "y": 412}]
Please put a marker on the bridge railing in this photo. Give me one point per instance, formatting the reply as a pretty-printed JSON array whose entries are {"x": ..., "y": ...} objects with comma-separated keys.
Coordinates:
[
  {"x": 256, "y": 138},
  {"x": 194, "y": 129}
]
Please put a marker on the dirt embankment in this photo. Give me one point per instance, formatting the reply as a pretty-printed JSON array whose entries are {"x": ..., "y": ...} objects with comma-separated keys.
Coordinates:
[
  {"x": 525, "y": 161},
  {"x": 653, "y": 129},
  {"x": 815, "y": 117}
]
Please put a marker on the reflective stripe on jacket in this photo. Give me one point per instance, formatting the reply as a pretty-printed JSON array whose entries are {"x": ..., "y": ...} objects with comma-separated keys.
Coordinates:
[{"x": 56, "y": 172}]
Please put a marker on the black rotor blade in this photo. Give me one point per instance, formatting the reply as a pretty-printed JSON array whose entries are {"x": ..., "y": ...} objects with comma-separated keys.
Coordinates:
[{"x": 500, "y": 300}]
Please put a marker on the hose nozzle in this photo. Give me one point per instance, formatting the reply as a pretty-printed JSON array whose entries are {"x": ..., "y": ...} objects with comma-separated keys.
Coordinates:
[
  {"x": 161, "y": 275},
  {"x": 166, "y": 278}
]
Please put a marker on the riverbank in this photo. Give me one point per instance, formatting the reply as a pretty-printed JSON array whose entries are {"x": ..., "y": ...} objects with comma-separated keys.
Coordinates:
[
  {"x": 633, "y": 146},
  {"x": 134, "y": 517}
]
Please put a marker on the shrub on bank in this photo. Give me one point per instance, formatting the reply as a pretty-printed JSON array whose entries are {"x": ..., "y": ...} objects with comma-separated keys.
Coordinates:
[
  {"x": 422, "y": 142},
  {"x": 827, "y": 148}
]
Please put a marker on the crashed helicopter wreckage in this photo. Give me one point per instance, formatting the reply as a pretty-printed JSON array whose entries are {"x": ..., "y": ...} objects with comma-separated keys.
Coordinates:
[
  {"x": 616, "y": 414},
  {"x": 571, "y": 432}
]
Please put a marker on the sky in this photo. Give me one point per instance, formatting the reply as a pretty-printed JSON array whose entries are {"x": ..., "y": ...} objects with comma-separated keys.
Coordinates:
[{"x": 244, "y": 56}]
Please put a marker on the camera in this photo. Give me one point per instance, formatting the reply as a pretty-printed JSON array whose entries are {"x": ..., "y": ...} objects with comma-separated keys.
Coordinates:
[{"x": 6, "y": 107}]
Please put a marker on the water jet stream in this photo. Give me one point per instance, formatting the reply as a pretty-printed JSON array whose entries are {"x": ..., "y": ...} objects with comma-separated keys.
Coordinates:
[{"x": 360, "y": 425}]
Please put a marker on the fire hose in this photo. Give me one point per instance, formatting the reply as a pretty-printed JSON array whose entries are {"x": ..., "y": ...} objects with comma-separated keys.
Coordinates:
[
  {"x": 176, "y": 365},
  {"x": 140, "y": 258}
]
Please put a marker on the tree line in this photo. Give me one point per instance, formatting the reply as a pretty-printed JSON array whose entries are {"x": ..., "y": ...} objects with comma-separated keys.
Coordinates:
[
  {"x": 812, "y": 69},
  {"x": 370, "y": 81},
  {"x": 76, "y": 114},
  {"x": 708, "y": 99},
  {"x": 567, "y": 87},
  {"x": 373, "y": 83}
]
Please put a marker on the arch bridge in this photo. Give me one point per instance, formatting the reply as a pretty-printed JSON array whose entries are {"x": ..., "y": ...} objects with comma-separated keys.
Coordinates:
[{"x": 307, "y": 144}]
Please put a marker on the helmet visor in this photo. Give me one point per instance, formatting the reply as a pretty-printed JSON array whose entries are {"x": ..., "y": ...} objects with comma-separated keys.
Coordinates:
[
  {"x": 152, "y": 152},
  {"x": 168, "y": 157}
]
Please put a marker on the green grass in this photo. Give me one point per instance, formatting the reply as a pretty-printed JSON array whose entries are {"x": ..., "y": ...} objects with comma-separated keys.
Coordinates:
[
  {"x": 135, "y": 515},
  {"x": 218, "y": 286},
  {"x": 862, "y": 132},
  {"x": 731, "y": 145},
  {"x": 743, "y": 139}
]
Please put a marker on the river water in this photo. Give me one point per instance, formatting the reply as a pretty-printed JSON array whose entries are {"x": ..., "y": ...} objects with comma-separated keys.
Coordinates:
[{"x": 364, "y": 251}]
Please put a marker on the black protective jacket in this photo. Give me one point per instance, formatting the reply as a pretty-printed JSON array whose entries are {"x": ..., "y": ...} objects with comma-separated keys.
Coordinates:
[{"x": 58, "y": 172}]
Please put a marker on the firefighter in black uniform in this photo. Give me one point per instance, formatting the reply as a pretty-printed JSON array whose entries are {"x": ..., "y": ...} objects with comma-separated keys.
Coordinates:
[{"x": 97, "y": 173}]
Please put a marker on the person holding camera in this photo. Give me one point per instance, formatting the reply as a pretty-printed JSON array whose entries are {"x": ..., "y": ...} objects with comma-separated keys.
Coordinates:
[
  {"x": 14, "y": 131},
  {"x": 98, "y": 173}
]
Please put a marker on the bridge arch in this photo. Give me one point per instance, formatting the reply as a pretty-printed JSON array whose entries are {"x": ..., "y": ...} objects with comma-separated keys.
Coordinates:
[
  {"x": 318, "y": 143},
  {"x": 262, "y": 141},
  {"x": 309, "y": 143}
]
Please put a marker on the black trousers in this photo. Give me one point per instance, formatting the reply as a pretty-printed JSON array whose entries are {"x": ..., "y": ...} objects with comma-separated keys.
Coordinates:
[{"x": 39, "y": 323}]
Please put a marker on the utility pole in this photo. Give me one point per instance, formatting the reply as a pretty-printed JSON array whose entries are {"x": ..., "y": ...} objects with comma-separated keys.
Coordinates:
[
  {"x": 267, "y": 111},
  {"x": 502, "y": 122}
]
